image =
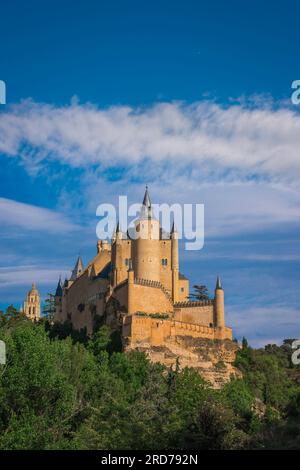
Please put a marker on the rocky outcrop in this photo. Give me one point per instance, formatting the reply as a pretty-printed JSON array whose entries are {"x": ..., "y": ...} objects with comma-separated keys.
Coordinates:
[{"x": 213, "y": 359}]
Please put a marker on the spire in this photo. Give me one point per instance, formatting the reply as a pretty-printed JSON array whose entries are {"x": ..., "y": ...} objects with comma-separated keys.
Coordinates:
[
  {"x": 147, "y": 200},
  {"x": 118, "y": 227},
  {"x": 77, "y": 270},
  {"x": 146, "y": 211},
  {"x": 33, "y": 287},
  {"x": 218, "y": 285},
  {"x": 58, "y": 292}
]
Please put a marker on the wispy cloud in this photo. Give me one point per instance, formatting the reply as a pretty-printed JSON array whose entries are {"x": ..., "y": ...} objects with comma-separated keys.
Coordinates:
[
  {"x": 24, "y": 275},
  {"x": 241, "y": 140},
  {"x": 29, "y": 217}
]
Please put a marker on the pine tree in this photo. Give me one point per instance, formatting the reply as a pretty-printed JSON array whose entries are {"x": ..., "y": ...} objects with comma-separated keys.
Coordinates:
[
  {"x": 49, "y": 307},
  {"x": 200, "y": 292}
]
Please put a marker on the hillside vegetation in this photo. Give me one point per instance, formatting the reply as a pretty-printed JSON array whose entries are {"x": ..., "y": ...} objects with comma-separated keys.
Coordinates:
[{"x": 61, "y": 390}]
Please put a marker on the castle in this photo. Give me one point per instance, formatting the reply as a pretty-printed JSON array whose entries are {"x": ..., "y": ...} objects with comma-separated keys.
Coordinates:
[
  {"x": 136, "y": 285},
  {"x": 32, "y": 304}
]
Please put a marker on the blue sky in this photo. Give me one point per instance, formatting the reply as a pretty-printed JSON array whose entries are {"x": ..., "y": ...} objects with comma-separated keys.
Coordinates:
[{"x": 190, "y": 97}]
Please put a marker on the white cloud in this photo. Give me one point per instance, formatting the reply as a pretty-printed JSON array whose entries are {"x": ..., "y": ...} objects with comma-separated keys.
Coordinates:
[
  {"x": 29, "y": 217},
  {"x": 213, "y": 139},
  {"x": 25, "y": 275}
]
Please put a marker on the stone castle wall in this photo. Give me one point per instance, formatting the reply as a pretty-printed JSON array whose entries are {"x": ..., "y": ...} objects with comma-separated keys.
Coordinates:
[
  {"x": 201, "y": 313},
  {"x": 150, "y": 299},
  {"x": 146, "y": 330},
  {"x": 210, "y": 351}
]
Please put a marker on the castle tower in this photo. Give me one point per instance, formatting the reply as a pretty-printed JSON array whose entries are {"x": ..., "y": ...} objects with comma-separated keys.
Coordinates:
[
  {"x": 117, "y": 257},
  {"x": 174, "y": 263},
  {"x": 130, "y": 292},
  {"x": 146, "y": 246},
  {"x": 32, "y": 307},
  {"x": 219, "y": 305}
]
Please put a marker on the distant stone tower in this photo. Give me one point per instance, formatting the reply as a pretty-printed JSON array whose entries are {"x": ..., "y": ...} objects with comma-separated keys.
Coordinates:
[{"x": 32, "y": 305}]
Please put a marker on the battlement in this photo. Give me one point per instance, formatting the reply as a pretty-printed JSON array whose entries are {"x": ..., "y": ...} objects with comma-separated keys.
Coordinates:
[
  {"x": 147, "y": 330},
  {"x": 191, "y": 303}
]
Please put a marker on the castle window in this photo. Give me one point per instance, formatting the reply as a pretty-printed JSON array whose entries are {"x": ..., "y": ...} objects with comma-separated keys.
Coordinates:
[
  {"x": 164, "y": 262},
  {"x": 127, "y": 261},
  {"x": 182, "y": 289}
]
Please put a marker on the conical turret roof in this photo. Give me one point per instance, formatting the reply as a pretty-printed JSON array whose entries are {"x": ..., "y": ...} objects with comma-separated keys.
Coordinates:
[
  {"x": 146, "y": 210},
  {"x": 218, "y": 284},
  {"x": 59, "y": 292},
  {"x": 78, "y": 269}
]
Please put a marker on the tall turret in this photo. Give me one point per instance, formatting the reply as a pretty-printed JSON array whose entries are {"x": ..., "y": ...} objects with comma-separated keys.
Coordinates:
[
  {"x": 130, "y": 290},
  {"x": 174, "y": 263},
  {"x": 219, "y": 305},
  {"x": 117, "y": 257},
  {"x": 146, "y": 246}
]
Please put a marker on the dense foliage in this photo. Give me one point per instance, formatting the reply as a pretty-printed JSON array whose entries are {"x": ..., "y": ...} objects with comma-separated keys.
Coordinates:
[{"x": 61, "y": 390}]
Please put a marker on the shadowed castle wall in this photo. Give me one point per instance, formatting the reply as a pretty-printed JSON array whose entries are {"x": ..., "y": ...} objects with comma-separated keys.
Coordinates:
[{"x": 84, "y": 299}]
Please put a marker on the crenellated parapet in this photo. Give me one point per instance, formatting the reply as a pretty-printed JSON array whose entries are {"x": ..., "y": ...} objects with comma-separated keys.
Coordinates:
[{"x": 196, "y": 303}]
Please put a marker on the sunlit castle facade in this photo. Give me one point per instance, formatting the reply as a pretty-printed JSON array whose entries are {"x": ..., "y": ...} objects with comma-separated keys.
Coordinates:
[{"x": 137, "y": 285}]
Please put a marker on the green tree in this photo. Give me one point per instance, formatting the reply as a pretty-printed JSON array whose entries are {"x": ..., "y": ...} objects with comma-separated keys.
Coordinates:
[
  {"x": 200, "y": 293},
  {"x": 49, "y": 307}
]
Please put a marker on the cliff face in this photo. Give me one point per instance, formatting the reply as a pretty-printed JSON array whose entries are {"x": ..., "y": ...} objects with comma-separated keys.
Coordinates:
[{"x": 213, "y": 359}]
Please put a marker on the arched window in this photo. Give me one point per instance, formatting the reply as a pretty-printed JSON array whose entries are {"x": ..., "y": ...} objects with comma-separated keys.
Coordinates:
[{"x": 164, "y": 262}]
